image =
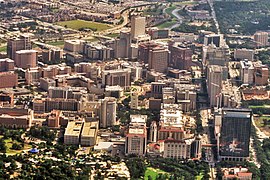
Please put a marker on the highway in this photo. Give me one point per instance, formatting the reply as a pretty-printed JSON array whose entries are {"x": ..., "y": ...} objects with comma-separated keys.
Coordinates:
[{"x": 179, "y": 18}]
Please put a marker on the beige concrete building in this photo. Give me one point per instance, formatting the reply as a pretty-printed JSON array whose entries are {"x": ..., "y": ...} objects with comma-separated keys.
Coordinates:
[
  {"x": 115, "y": 77},
  {"x": 108, "y": 112},
  {"x": 75, "y": 46},
  {"x": 176, "y": 149},
  {"x": 137, "y": 26},
  {"x": 72, "y": 132},
  {"x": 214, "y": 84},
  {"x": 26, "y": 59},
  {"x": 89, "y": 133}
]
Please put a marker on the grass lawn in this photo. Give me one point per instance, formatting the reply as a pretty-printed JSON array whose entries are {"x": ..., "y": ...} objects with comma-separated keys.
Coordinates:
[
  {"x": 113, "y": 35},
  {"x": 166, "y": 24},
  {"x": 152, "y": 172},
  {"x": 9, "y": 142},
  {"x": 57, "y": 43},
  {"x": 3, "y": 49},
  {"x": 77, "y": 24}
]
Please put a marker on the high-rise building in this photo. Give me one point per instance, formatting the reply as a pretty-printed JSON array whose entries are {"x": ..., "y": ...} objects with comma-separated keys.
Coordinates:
[
  {"x": 108, "y": 112},
  {"x": 26, "y": 59},
  {"x": 247, "y": 72},
  {"x": 261, "y": 74},
  {"x": 136, "y": 138},
  {"x": 215, "y": 39},
  {"x": 242, "y": 54},
  {"x": 232, "y": 128},
  {"x": 144, "y": 49},
  {"x": 214, "y": 84},
  {"x": 159, "y": 59},
  {"x": 181, "y": 57},
  {"x": 261, "y": 39},
  {"x": 137, "y": 26},
  {"x": 196, "y": 148},
  {"x": 122, "y": 45},
  {"x": 17, "y": 44},
  {"x": 153, "y": 132}
]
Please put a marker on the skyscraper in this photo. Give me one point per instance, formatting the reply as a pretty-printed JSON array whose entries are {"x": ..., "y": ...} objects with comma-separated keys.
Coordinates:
[
  {"x": 261, "y": 39},
  {"x": 234, "y": 137},
  {"x": 137, "y": 26},
  {"x": 214, "y": 84},
  {"x": 159, "y": 59},
  {"x": 16, "y": 44},
  {"x": 26, "y": 59}
]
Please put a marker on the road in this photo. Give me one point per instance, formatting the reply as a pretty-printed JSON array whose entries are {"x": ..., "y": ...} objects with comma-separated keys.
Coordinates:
[
  {"x": 211, "y": 4},
  {"x": 179, "y": 18}
]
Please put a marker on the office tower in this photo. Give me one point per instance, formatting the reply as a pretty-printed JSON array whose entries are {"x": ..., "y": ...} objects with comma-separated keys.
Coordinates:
[
  {"x": 6, "y": 65},
  {"x": 261, "y": 74},
  {"x": 122, "y": 45},
  {"x": 137, "y": 26},
  {"x": 181, "y": 56},
  {"x": 214, "y": 39},
  {"x": 75, "y": 46},
  {"x": 17, "y": 44},
  {"x": 242, "y": 54},
  {"x": 8, "y": 79},
  {"x": 247, "y": 72},
  {"x": 136, "y": 138},
  {"x": 214, "y": 84},
  {"x": 116, "y": 77},
  {"x": 234, "y": 136},
  {"x": 108, "y": 112},
  {"x": 52, "y": 55},
  {"x": 134, "y": 100},
  {"x": 153, "y": 132},
  {"x": 97, "y": 51},
  {"x": 144, "y": 49},
  {"x": 159, "y": 59},
  {"x": 213, "y": 55},
  {"x": 196, "y": 148},
  {"x": 261, "y": 39},
  {"x": 26, "y": 59}
]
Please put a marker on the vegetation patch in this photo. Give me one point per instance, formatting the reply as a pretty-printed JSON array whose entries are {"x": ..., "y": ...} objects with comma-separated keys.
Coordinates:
[
  {"x": 3, "y": 49},
  {"x": 82, "y": 24}
]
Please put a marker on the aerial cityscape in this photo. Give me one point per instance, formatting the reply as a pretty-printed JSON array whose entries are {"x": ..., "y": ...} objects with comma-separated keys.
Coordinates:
[{"x": 134, "y": 89}]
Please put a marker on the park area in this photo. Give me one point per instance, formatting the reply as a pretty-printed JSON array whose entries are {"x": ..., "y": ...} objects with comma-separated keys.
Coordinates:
[{"x": 82, "y": 24}]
